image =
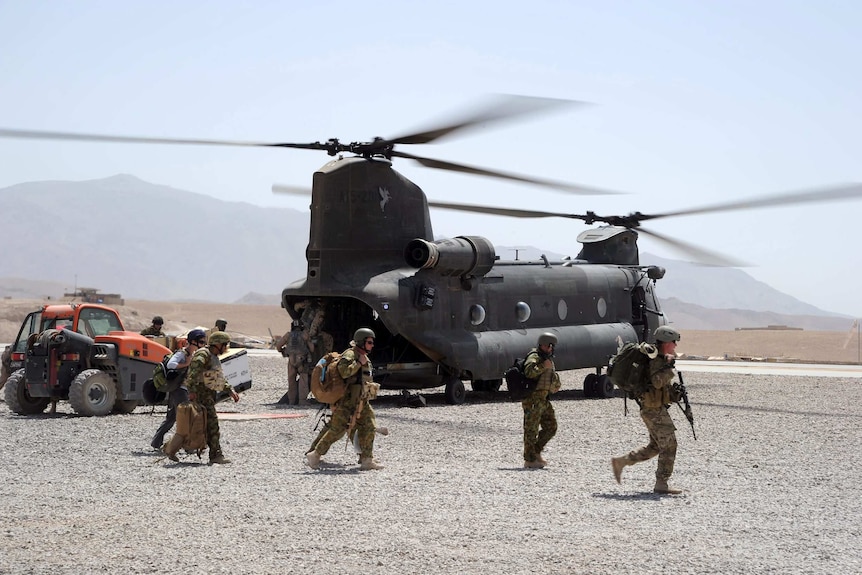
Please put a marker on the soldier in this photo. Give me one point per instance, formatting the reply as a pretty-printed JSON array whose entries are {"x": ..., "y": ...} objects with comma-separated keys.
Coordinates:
[
  {"x": 654, "y": 404},
  {"x": 155, "y": 330},
  {"x": 352, "y": 411},
  {"x": 204, "y": 379},
  {"x": 313, "y": 314},
  {"x": 5, "y": 365},
  {"x": 179, "y": 361},
  {"x": 540, "y": 421},
  {"x": 293, "y": 346},
  {"x": 220, "y": 325}
]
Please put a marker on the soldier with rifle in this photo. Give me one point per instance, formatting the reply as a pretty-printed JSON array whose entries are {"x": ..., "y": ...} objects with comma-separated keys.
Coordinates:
[
  {"x": 654, "y": 405},
  {"x": 353, "y": 411}
]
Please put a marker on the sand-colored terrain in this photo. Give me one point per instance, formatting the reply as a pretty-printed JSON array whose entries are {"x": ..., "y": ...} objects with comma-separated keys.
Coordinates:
[{"x": 257, "y": 321}]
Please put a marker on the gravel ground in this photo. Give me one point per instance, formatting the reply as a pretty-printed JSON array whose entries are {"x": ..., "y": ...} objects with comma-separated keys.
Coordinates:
[{"x": 771, "y": 487}]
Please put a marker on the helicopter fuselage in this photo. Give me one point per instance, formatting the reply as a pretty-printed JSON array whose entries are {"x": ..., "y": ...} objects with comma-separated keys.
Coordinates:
[{"x": 450, "y": 310}]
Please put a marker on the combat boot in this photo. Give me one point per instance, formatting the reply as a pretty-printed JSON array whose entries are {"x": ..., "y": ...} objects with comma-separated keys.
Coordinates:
[
  {"x": 368, "y": 464},
  {"x": 533, "y": 465},
  {"x": 219, "y": 459},
  {"x": 661, "y": 486},
  {"x": 618, "y": 463},
  {"x": 312, "y": 459},
  {"x": 540, "y": 459}
]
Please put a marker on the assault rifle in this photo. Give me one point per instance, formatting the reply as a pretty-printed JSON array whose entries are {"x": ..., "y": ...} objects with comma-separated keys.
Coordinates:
[{"x": 683, "y": 393}]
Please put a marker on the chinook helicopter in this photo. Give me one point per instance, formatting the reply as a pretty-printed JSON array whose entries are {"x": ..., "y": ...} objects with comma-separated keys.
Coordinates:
[{"x": 449, "y": 311}]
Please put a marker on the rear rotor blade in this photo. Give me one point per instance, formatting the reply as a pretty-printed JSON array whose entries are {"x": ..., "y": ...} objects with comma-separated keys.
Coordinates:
[
  {"x": 813, "y": 195},
  {"x": 557, "y": 185},
  {"x": 504, "y": 107}
]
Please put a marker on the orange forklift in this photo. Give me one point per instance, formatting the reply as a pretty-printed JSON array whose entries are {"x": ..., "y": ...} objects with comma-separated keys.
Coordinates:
[{"x": 80, "y": 353}]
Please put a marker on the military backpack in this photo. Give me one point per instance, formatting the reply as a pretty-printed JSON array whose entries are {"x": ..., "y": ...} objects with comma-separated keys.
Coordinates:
[
  {"x": 629, "y": 368},
  {"x": 191, "y": 432},
  {"x": 167, "y": 380},
  {"x": 518, "y": 384},
  {"x": 327, "y": 385}
]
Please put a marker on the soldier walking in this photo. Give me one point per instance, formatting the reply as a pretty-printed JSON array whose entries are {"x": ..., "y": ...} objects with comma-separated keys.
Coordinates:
[
  {"x": 352, "y": 412},
  {"x": 540, "y": 421},
  {"x": 205, "y": 379},
  {"x": 179, "y": 361},
  {"x": 654, "y": 403}
]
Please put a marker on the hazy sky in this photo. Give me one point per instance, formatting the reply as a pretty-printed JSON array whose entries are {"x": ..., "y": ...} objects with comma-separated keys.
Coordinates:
[{"x": 695, "y": 103}]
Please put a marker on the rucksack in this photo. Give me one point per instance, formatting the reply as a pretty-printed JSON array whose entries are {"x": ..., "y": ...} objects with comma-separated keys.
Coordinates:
[
  {"x": 629, "y": 368},
  {"x": 518, "y": 384},
  {"x": 327, "y": 385},
  {"x": 191, "y": 433},
  {"x": 167, "y": 380}
]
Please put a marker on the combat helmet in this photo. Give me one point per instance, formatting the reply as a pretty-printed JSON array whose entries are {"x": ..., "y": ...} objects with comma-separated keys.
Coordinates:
[
  {"x": 218, "y": 338},
  {"x": 158, "y": 320},
  {"x": 361, "y": 334},
  {"x": 196, "y": 335},
  {"x": 666, "y": 334},
  {"x": 547, "y": 338},
  {"x": 221, "y": 324}
]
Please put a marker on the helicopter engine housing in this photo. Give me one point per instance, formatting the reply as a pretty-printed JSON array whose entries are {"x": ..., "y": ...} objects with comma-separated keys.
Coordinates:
[{"x": 462, "y": 256}]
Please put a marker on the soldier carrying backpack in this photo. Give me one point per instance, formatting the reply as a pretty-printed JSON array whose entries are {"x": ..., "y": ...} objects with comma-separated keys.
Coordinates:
[
  {"x": 353, "y": 410},
  {"x": 171, "y": 374},
  {"x": 656, "y": 374}
]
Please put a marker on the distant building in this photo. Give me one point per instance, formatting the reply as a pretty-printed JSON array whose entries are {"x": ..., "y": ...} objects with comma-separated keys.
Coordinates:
[{"x": 92, "y": 295}]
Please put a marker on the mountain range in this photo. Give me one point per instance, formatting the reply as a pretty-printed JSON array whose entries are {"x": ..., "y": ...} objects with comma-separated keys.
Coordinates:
[{"x": 153, "y": 242}]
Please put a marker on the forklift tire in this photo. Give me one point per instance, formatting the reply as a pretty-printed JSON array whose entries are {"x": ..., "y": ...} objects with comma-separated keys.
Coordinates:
[
  {"x": 19, "y": 400},
  {"x": 93, "y": 392}
]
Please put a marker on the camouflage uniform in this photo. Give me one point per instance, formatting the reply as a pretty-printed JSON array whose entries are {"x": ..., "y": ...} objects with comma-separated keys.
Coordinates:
[
  {"x": 319, "y": 343},
  {"x": 292, "y": 345},
  {"x": 153, "y": 331},
  {"x": 654, "y": 404},
  {"x": 538, "y": 411},
  {"x": 6, "y": 369},
  {"x": 206, "y": 364},
  {"x": 355, "y": 374}
]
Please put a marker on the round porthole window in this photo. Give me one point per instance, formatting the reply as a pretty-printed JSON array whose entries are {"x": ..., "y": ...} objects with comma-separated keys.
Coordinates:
[
  {"x": 477, "y": 314},
  {"x": 562, "y": 309},
  {"x": 522, "y": 311}
]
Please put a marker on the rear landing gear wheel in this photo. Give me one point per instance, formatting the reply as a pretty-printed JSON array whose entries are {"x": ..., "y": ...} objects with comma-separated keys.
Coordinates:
[
  {"x": 455, "y": 392},
  {"x": 604, "y": 387},
  {"x": 591, "y": 385},
  {"x": 18, "y": 398}
]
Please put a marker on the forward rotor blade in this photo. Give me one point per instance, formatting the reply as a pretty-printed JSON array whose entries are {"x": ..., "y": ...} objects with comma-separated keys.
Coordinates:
[
  {"x": 293, "y": 190},
  {"x": 511, "y": 212},
  {"x": 505, "y": 107},
  {"x": 701, "y": 255},
  {"x": 40, "y": 135},
  {"x": 814, "y": 195},
  {"x": 557, "y": 185}
]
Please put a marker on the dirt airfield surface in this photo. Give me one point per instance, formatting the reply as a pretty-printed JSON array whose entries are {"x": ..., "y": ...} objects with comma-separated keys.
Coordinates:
[{"x": 771, "y": 486}]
